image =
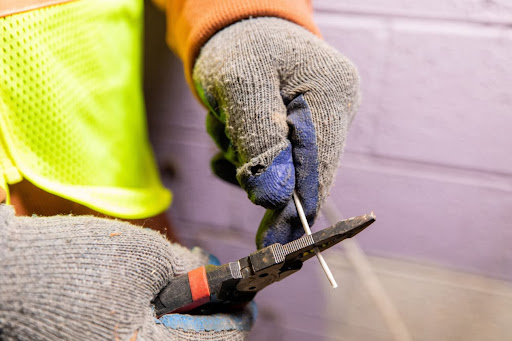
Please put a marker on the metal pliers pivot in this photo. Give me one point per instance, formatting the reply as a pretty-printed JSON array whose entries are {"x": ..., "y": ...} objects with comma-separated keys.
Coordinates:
[{"x": 229, "y": 286}]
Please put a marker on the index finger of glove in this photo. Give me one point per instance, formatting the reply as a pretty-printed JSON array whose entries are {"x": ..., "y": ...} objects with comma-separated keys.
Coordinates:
[{"x": 283, "y": 224}]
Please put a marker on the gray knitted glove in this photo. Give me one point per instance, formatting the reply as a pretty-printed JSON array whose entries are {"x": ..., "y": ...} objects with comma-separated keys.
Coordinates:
[
  {"x": 84, "y": 278},
  {"x": 280, "y": 101}
]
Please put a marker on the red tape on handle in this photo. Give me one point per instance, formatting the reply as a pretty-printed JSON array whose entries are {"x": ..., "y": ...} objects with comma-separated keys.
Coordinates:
[
  {"x": 199, "y": 289},
  {"x": 199, "y": 284}
]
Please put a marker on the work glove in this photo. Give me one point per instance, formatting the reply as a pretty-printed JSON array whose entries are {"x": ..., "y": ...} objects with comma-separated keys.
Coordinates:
[
  {"x": 280, "y": 102},
  {"x": 85, "y": 278}
]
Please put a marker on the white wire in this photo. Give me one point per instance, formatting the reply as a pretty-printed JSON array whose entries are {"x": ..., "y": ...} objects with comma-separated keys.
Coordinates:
[{"x": 305, "y": 225}]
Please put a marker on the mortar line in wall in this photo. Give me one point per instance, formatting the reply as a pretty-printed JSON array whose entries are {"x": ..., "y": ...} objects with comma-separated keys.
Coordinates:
[
  {"x": 440, "y": 172},
  {"x": 458, "y": 278},
  {"x": 361, "y": 12},
  {"x": 427, "y": 163},
  {"x": 325, "y": 333}
]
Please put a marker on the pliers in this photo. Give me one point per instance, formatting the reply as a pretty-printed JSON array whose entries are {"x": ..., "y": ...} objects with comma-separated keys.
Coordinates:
[{"x": 212, "y": 288}]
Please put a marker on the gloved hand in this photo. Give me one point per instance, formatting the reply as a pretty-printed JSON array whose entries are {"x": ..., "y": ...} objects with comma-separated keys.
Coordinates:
[
  {"x": 280, "y": 102},
  {"x": 84, "y": 278}
]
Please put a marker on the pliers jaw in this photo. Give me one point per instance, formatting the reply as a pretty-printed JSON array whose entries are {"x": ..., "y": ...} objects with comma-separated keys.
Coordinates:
[{"x": 234, "y": 284}]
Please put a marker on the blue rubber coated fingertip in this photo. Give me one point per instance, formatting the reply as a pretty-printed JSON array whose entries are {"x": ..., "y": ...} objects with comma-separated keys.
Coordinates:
[
  {"x": 273, "y": 187},
  {"x": 213, "y": 260},
  {"x": 240, "y": 320}
]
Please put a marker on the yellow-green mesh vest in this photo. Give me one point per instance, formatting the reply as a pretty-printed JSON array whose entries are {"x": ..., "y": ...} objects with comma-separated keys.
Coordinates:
[{"x": 72, "y": 117}]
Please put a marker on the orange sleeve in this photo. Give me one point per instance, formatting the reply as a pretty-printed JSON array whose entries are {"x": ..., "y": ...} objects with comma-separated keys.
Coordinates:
[{"x": 190, "y": 23}]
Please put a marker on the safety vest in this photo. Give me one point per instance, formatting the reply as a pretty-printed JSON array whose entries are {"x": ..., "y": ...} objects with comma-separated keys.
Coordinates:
[{"x": 72, "y": 117}]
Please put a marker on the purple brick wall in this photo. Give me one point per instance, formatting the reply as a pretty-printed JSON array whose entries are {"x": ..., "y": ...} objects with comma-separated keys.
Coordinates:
[{"x": 429, "y": 151}]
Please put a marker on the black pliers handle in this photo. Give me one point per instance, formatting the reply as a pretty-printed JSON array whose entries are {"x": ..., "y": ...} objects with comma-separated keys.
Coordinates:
[{"x": 234, "y": 284}]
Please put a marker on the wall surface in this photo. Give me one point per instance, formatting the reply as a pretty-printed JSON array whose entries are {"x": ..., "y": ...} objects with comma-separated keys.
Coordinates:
[
  {"x": 429, "y": 151},
  {"x": 430, "y": 148}
]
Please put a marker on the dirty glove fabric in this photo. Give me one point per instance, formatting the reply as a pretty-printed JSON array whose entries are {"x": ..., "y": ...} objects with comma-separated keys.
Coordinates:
[
  {"x": 280, "y": 102},
  {"x": 84, "y": 278}
]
